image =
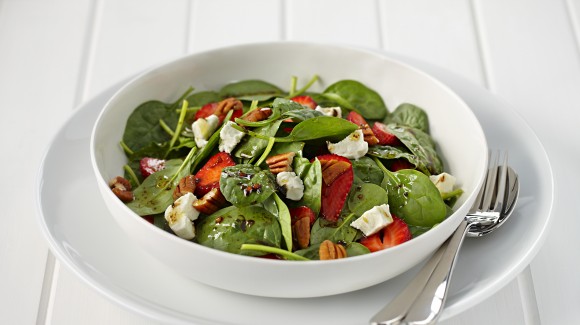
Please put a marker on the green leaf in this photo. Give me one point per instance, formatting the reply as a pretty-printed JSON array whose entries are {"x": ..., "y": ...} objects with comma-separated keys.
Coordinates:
[
  {"x": 321, "y": 127},
  {"x": 421, "y": 145},
  {"x": 365, "y": 196},
  {"x": 203, "y": 97},
  {"x": 415, "y": 199},
  {"x": 334, "y": 231},
  {"x": 155, "y": 194},
  {"x": 143, "y": 126},
  {"x": 229, "y": 228},
  {"x": 246, "y": 184},
  {"x": 409, "y": 115},
  {"x": 311, "y": 175},
  {"x": 367, "y": 170},
  {"x": 355, "y": 249},
  {"x": 285, "y": 221},
  {"x": 251, "y": 90},
  {"x": 252, "y": 146},
  {"x": 353, "y": 95}
]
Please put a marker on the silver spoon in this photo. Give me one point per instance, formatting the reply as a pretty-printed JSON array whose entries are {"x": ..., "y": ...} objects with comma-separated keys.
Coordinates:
[{"x": 422, "y": 301}]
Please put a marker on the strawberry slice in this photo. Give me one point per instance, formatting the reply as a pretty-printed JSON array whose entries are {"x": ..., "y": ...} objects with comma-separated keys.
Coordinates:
[
  {"x": 394, "y": 234},
  {"x": 356, "y": 118},
  {"x": 399, "y": 164},
  {"x": 209, "y": 109},
  {"x": 208, "y": 177},
  {"x": 336, "y": 184},
  {"x": 302, "y": 212},
  {"x": 305, "y": 100},
  {"x": 385, "y": 137},
  {"x": 149, "y": 165},
  {"x": 368, "y": 133}
]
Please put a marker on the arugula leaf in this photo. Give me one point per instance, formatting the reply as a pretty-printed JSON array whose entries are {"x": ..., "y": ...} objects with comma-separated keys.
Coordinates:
[{"x": 355, "y": 96}]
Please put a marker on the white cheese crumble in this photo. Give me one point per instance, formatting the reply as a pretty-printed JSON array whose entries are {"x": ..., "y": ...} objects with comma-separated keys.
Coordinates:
[
  {"x": 373, "y": 220},
  {"x": 229, "y": 137},
  {"x": 444, "y": 182},
  {"x": 329, "y": 111},
  {"x": 180, "y": 215},
  {"x": 203, "y": 128},
  {"x": 293, "y": 184},
  {"x": 351, "y": 147}
]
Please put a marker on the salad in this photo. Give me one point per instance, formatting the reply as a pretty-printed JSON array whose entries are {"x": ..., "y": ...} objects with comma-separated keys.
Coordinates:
[{"x": 255, "y": 170}]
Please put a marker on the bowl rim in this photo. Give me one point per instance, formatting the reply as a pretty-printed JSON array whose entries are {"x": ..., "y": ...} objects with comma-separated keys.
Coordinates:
[{"x": 175, "y": 240}]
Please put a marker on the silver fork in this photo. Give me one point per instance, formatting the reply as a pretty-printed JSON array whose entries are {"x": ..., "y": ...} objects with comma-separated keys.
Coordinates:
[{"x": 422, "y": 301}]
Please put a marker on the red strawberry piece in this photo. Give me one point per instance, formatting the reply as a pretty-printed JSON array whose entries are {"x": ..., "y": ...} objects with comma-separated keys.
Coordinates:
[
  {"x": 394, "y": 234},
  {"x": 368, "y": 133},
  {"x": 149, "y": 219},
  {"x": 208, "y": 177},
  {"x": 306, "y": 101},
  {"x": 271, "y": 256},
  {"x": 302, "y": 212},
  {"x": 149, "y": 165},
  {"x": 385, "y": 137},
  {"x": 209, "y": 109},
  {"x": 356, "y": 118},
  {"x": 337, "y": 176},
  {"x": 399, "y": 164}
]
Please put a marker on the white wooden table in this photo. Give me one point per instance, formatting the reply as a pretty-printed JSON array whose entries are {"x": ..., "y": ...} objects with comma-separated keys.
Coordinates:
[{"x": 57, "y": 54}]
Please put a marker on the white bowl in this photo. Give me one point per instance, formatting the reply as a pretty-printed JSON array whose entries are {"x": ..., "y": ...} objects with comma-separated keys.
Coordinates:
[{"x": 454, "y": 127}]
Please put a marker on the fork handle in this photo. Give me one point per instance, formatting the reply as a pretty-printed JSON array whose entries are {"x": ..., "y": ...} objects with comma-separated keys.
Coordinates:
[{"x": 428, "y": 306}]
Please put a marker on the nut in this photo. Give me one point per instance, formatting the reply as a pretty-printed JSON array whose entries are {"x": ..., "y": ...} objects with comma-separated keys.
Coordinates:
[
  {"x": 331, "y": 251},
  {"x": 369, "y": 136},
  {"x": 210, "y": 202},
  {"x": 226, "y": 105},
  {"x": 186, "y": 185},
  {"x": 281, "y": 163},
  {"x": 258, "y": 115},
  {"x": 331, "y": 169},
  {"x": 121, "y": 188},
  {"x": 301, "y": 232}
]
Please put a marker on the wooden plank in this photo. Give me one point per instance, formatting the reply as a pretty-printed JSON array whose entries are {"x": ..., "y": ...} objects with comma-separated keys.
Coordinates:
[
  {"x": 339, "y": 21},
  {"x": 220, "y": 23},
  {"x": 534, "y": 63},
  {"x": 33, "y": 56},
  {"x": 125, "y": 37}
]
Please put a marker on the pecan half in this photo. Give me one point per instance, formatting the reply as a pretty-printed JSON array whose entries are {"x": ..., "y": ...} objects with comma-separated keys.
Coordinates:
[
  {"x": 121, "y": 188},
  {"x": 331, "y": 251},
  {"x": 369, "y": 136},
  {"x": 210, "y": 202},
  {"x": 331, "y": 169},
  {"x": 281, "y": 163},
  {"x": 301, "y": 232},
  {"x": 186, "y": 185},
  {"x": 226, "y": 105},
  {"x": 258, "y": 115}
]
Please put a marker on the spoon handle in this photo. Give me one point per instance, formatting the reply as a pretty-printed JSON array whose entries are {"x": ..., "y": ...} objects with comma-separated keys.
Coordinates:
[{"x": 428, "y": 306}]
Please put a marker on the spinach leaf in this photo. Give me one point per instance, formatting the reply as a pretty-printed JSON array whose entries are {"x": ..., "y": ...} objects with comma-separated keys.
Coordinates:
[
  {"x": 365, "y": 196},
  {"x": 310, "y": 252},
  {"x": 285, "y": 221},
  {"x": 252, "y": 146},
  {"x": 355, "y": 249},
  {"x": 367, "y": 170},
  {"x": 409, "y": 115},
  {"x": 246, "y": 184},
  {"x": 353, "y": 95},
  {"x": 283, "y": 105},
  {"x": 251, "y": 90},
  {"x": 311, "y": 175},
  {"x": 143, "y": 126},
  {"x": 203, "y": 97},
  {"x": 302, "y": 114},
  {"x": 417, "y": 231},
  {"x": 155, "y": 194},
  {"x": 421, "y": 145},
  {"x": 333, "y": 231},
  {"x": 321, "y": 127},
  {"x": 415, "y": 199},
  {"x": 229, "y": 228}
]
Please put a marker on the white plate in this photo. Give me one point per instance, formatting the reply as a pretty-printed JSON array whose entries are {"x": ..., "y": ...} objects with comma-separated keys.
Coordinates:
[{"x": 85, "y": 238}]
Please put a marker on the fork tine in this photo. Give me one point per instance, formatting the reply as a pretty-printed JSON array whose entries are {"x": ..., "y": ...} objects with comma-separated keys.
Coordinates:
[
  {"x": 490, "y": 182},
  {"x": 501, "y": 185}
]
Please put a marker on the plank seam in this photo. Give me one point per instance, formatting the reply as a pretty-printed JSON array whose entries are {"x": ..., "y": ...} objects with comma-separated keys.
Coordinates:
[
  {"x": 574, "y": 24},
  {"x": 380, "y": 26},
  {"x": 188, "y": 26},
  {"x": 484, "y": 60},
  {"x": 283, "y": 20},
  {"x": 46, "y": 290},
  {"x": 528, "y": 294}
]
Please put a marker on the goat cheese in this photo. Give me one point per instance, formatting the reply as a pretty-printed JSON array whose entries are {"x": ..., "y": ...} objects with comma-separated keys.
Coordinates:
[
  {"x": 329, "y": 111},
  {"x": 229, "y": 137},
  {"x": 203, "y": 128},
  {"x": 373, "y": 220},
  {"x": 352, "y": 147},
  {"x": 292, "y": 183},
  {"x": 180, "y": 215},
  {"x": 444, "y": 182}
]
